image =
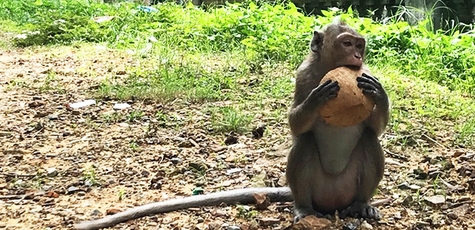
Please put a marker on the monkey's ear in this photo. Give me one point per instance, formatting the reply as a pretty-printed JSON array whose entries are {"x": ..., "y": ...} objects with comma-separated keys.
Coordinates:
[{"x": 317, "y": 41}]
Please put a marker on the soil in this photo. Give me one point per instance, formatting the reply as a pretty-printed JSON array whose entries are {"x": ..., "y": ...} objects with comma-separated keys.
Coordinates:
[{"x": 60, "y": 165}]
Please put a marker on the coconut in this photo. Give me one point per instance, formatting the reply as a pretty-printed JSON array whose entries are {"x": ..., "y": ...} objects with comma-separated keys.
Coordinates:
[{"x": 351, "y": 106}]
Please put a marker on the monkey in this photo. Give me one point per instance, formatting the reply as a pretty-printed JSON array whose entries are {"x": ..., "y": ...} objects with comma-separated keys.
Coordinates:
[
  {"x": 332, "y": 168},
  {"x": 328, "y": 168}
]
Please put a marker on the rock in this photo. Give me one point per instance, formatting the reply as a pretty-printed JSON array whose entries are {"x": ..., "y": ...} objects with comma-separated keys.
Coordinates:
[
  {"x": 52, "y": 172},
  {"x": 452, "y": 216},
  {"x": 406, "y": 185},
  {"x": 232, "y": 227},
  {"x": 233, "y": 170},
  {"x": 145, "y": 173},
  {"x": 397, "y": 216},
  {"x": 96, "y": 212},
  {"x": 53, "y": 117},
  {"x": 81, "y": 193},
  {"x": 66, "y": 133},
  {"x": 72, "y": 189},
  {"x": 175, "y": 160},
  {"x": 435, "y": 200},
  {"x": 82, "y": 104},
  {"x": 121, "y": 106},
  {"x": 350, "y": 226},
  {"x": 403, "y": 185},
  {"x": 365, "y": 225},
  {"x": 414, "y": 187},
  {"x": 185, "y": 144}
]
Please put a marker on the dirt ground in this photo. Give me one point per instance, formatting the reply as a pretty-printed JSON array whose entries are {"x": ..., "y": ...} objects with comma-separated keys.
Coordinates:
[{"x": 59, "y": 166}]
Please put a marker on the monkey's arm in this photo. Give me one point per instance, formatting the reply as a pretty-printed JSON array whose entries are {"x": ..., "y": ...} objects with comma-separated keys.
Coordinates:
[
  {"x": 242, "y": 196},
  {"x": 380, "y": 116},
  {"x": 303, "y": 115}
]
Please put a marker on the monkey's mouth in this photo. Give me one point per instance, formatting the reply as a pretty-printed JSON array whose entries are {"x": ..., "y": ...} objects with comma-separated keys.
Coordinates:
[{"x": 353, "y": 67}]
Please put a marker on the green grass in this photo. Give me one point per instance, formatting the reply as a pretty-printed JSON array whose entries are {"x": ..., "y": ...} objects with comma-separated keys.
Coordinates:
[
  {"x": 172, "y": 76},
  {"x": 238, "y": 61},
  {"x": 229, "y": 118}
]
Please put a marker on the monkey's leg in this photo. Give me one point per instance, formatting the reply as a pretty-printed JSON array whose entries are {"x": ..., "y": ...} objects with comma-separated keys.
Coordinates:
[
  {"x": 370, "y": 172},
  {"x": 300, "y": 175}
]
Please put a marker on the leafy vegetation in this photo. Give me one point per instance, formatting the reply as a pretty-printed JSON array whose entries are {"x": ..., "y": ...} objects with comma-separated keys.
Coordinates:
[{"x": 246, "y": 53}]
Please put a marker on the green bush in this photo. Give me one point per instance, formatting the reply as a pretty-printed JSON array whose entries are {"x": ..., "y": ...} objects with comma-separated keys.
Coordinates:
[{"x": 264, "y": 31}]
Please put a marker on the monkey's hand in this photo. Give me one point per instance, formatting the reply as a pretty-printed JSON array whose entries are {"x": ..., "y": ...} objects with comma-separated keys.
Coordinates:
[
  {"x": 302, "y": 117},
  {"x": 322, "y": 93},
  {"x": 373, "y": 88},
  {"x": 380, "y": 116}
]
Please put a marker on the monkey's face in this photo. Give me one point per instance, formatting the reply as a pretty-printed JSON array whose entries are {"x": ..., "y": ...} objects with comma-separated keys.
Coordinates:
[{"x": 350, "y": 48}]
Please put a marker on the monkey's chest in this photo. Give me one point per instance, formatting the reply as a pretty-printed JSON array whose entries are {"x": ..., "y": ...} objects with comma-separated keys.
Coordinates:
[{"x": 335, "y": 146}]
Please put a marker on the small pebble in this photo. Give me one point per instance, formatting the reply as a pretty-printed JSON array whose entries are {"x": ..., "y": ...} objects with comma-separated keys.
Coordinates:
[
  {"x": 53, "y": 117},
  {"x": 72, "y": 189},
  {"x": 175, "y": 160},
  {"x": 233, "y": 227},
  {"x": 52, "y": 172},
  {"x": 366, "y": 225},
  {"x": 121, "y": 106},
  {"x": 96, "y": 212},
  {"x": 145, "y": 173}
]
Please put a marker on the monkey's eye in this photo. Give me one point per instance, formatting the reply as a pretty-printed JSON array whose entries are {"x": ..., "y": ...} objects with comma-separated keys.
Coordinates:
[
  {"x": 359, "y": 46},
  {"x": 347, "y": 43}
]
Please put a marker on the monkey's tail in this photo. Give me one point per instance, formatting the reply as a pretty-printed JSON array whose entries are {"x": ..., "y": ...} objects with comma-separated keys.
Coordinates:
[{"x": 242, "y": 196}]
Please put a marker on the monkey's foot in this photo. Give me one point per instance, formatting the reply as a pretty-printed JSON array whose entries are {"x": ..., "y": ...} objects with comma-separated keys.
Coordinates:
[
  {"x": 361, "y": 209},
  {"x": 301, "y": 213}
]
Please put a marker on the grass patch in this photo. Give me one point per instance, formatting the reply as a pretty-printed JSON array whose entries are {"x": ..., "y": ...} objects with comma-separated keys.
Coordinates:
[
  {"x": 246, "y": 54},
  {"x": 182, "y": 78},
  {"x": 230, "y": 119}
]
